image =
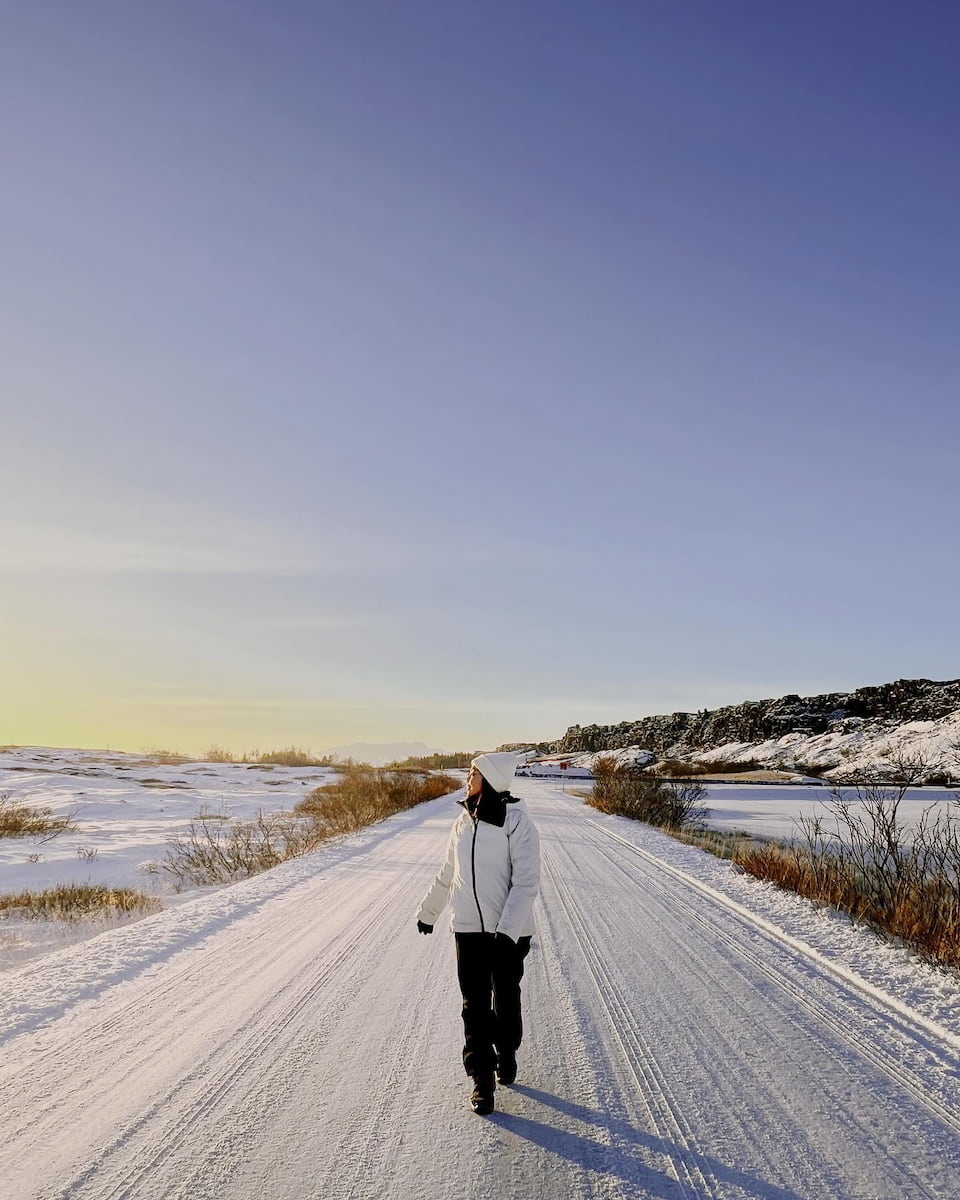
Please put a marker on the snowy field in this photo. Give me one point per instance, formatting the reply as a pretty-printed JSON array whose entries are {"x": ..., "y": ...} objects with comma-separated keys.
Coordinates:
[
  {"x": 767, "y": 810},
  {"x": 689, "y": 1032},
  {"x": 126, "y": 807}
]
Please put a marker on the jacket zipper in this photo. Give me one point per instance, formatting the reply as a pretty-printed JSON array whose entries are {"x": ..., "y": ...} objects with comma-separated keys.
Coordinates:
[{"x": 473, "y": 872}]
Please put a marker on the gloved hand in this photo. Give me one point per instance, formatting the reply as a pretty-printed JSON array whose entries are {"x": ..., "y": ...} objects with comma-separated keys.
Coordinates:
[
  {"x": 504, "y": 939},
  {"x": 422, "y": 928}
]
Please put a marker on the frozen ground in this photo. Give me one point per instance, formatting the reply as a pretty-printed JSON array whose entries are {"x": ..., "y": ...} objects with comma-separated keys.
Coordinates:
[
  {"x": 126, "y": 807},
  {"x": 773, "y": 810},
  {"x": 689, "y": 1033}
]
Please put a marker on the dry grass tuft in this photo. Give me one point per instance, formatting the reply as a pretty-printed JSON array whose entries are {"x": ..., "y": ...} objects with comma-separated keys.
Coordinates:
[
  {"x": 729, "y": 766},
  {"x": 366, "y": 794},
  {"x": 73, "y": 902},
  {"x": 719, "y": 842},
  {"x": 217, "y": 754},
  {"x": 161, "y": 757},
  {"x": 23, "y": 820}
]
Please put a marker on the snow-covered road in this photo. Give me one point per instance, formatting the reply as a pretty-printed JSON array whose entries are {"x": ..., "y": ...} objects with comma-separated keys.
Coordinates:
[{"x": 294, "y": 1038}]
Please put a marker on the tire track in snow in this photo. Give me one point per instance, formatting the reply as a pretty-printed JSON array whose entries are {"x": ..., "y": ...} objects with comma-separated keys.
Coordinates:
[
  {"x": 667, "y": 1091},
  {"x": 229, "y": 955},
  {"x": 782, "y": 1111},
  {"x": 799, "y": 1107},
  {"x": 156, "y": 1132},
  {"x": 763, "y": 1075},
  {"x": 911, "y": 1034},
  {"x": 665, "y": 1114}
]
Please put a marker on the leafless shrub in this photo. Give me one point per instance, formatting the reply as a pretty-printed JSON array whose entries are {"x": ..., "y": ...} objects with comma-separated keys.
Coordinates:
[
  {"x": 216, "y": 848},
  {"x": 629, "y": 791},
  {"x": 87, "y": 853},
  {"x": 862, "y": 857}
]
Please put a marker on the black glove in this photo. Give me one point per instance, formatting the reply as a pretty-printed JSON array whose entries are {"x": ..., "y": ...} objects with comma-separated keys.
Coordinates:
[
  {"x": 424, "y": 928},
  {"x": 504, "y": 939}
]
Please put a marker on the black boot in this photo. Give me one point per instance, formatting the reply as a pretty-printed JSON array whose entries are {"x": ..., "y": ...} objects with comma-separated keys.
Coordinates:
[
  {"x": 507, "y": 1068},
  {"x": 482, "y": 1099}
]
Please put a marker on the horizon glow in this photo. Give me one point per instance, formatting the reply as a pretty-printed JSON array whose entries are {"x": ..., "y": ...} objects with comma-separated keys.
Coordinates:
[{"x": 457, "y": 374}]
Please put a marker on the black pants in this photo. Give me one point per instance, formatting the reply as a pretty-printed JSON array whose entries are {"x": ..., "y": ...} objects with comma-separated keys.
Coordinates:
[{"x": 490, "y": 970}]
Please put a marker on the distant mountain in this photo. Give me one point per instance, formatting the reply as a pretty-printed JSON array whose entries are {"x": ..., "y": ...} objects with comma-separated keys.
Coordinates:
[
  {"x": 378, "y": 754},
  {"x": 835, "y": 732}
]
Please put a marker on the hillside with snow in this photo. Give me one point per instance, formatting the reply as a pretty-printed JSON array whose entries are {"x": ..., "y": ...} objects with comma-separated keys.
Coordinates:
[{"x": 830, "y": 736}]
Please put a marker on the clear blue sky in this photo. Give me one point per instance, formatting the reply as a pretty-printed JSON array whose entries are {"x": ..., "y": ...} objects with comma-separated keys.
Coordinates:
[{"x": 457, "y": 371}]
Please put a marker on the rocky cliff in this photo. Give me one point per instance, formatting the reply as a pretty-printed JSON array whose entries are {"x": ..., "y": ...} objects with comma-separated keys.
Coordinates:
[{"x": 884, "y": 707}]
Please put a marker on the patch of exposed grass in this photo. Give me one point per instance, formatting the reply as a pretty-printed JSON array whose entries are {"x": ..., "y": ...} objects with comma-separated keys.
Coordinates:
[
  {"x": 73, "y": 902},
  {"x": 291, "y": 756},
  {"x": 725, "y": 844},
  {"x": 816, "y": 770},
  {"x": 217, "y": 754},
  {"x": 25, "y": 820},
  {"x": 170, "y": 758}
]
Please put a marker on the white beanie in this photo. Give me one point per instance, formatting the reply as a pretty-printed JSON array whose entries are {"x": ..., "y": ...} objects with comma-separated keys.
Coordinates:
[{"x": 497, "y": 769}]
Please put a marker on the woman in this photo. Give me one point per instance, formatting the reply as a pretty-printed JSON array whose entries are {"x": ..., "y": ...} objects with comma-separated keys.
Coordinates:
[{"x": 491, "y": 874}]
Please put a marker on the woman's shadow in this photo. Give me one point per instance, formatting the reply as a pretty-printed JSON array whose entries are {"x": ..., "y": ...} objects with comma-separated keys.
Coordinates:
[{"x": 623, "y": 1157}]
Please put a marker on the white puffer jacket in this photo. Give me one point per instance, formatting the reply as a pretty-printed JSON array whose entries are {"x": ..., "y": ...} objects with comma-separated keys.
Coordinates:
[{"x": 491, "y": 876}]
